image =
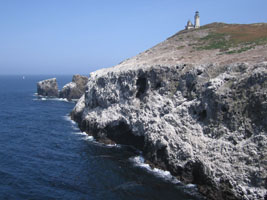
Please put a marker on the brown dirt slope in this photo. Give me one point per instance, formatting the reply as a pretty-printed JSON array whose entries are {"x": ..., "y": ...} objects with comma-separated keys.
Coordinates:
[{"x": 218, "y": 43}]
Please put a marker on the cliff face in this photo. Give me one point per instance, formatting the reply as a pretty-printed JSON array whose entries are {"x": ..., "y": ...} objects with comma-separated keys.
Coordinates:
[
  {"x": 205, "y": 123},
  {"x": 48, "y": 87},
  {"x": 74, "y": 89}
]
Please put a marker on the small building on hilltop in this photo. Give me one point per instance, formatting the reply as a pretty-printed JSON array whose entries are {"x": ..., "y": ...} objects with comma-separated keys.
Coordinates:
[{"x": 189, "y": 24}]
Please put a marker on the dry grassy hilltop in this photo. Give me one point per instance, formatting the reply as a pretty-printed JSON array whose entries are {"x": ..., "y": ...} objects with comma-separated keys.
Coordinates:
[
  {"x": 195, "y": 105},
  {"x": 216, "y": 43}
]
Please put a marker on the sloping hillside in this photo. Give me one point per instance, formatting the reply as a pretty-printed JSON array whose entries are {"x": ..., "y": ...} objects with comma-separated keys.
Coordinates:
[{"x": 216, "y": 43}]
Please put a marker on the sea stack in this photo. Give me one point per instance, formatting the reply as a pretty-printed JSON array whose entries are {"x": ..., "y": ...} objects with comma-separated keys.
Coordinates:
[
  {"x": 75, "y": 89},
  {"x": 48, "y": 88}
]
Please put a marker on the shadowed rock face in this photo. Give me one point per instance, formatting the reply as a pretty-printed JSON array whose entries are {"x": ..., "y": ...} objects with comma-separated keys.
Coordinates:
[
  {"x": 48, "y": 88},
  {"x": 74, "y": 89}
]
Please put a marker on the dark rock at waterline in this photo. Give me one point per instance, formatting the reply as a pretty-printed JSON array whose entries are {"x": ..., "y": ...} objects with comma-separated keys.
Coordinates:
[
  {"x": 74, "y": 89},
  {"x": 48, "y": 88}
]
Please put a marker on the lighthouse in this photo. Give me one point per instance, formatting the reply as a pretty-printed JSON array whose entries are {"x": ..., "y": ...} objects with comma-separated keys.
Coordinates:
[
  {"x": 197, "y": 22},
  {"x": 189, "y": 24}
]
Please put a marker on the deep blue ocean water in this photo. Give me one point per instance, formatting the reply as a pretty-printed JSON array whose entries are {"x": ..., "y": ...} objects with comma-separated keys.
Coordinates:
[{"x": 43, "y": 155}]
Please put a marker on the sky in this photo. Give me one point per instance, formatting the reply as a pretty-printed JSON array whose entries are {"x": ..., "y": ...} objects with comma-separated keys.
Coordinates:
[{"x": 81, "y": 36}]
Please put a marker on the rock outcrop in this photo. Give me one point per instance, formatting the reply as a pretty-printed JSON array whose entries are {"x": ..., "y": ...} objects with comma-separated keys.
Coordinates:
[
  {"x": 48, "y": 88},
  {"x": 203, "y": 121},
  {"x": 74, "y": 89}
]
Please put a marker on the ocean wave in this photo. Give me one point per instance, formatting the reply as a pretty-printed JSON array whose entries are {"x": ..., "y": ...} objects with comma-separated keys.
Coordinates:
[
  {"x": 190, "y": 186},
  {"x": 68, "y": 118},
  {"x": 80, "y": 133},
  {"x": 89, "y": 137},
  {"x": 39, "y": 98},
  {"x": 85, "y": 136},
  {"x": 190, "y": 189},
  {"x": 76, "y": 129},
  {"x": 45, "y": 98},
  {"x": 139, "y": 161},
  {"x": 112, "y": 145},
  {"x": 92, "y": 139}
]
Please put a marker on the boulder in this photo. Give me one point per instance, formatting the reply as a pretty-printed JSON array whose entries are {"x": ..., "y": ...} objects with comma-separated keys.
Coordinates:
[
  {"x": 74, "y": 89},
  {"x": 48, "y": 88}
]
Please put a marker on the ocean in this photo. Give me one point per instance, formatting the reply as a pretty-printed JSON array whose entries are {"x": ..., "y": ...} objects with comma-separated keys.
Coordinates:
[{"x": 43, "y": 154}]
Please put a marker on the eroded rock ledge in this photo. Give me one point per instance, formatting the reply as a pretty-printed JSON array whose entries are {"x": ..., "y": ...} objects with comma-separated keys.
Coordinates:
[{"x": 206, "y": 124}]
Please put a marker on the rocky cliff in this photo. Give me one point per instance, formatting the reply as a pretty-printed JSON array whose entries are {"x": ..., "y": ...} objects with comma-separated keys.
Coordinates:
[
  {"x": 71, "y": 91},
  {"x": 74, "y": 89},
  {"x": 48, "y": 88},
  {"x": 196, "y": 105}
]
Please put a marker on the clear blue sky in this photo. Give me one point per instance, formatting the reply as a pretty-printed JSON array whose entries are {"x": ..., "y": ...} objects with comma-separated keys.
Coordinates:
[{"x": 80, "y": 36}]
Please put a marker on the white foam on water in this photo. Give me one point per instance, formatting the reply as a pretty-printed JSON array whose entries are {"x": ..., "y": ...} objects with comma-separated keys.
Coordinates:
[
  {"x": 190, "y": 189},
  {"x": 68, "y": 118},
  {"x": 139, "y": 161},
  {"x": 84, "y": 136},
  {"x": 44, "y": 98},
  {"x": 112, "y": 145},
  {"x": 191, "y": 186},
  {"x": 74, "y": 126},
  {"x": 58, "y": 99},
  {"x": 89, "y": 137},
  {"x": 76, "y": 129},
  {"x": 80, "y": 133}
]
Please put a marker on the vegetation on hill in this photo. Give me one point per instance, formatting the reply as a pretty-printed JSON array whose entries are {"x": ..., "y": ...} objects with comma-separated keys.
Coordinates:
[{"x": 233, "y": 38}]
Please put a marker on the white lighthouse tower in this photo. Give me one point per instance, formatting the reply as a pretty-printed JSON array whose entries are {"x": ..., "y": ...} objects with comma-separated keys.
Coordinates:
[{"x": 197, "y": 22}]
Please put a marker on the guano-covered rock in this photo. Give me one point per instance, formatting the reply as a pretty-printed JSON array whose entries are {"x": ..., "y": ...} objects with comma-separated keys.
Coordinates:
[{"x": 48, "y": 88}]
